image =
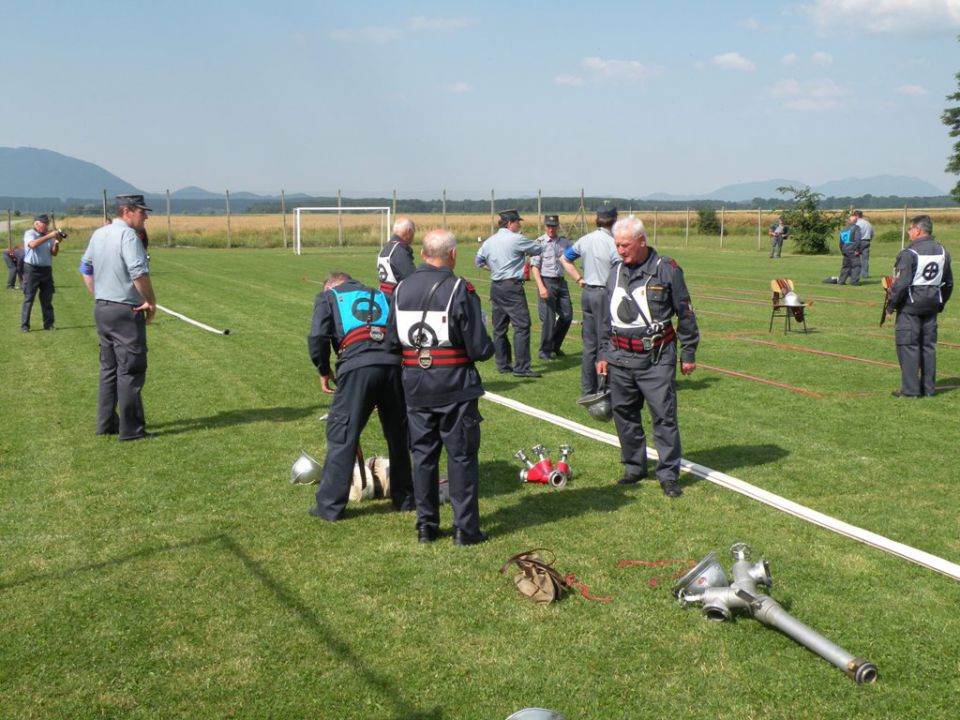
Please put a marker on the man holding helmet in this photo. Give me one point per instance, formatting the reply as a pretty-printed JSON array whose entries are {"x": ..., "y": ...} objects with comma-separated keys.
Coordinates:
[{"x": 638, "y": 352}]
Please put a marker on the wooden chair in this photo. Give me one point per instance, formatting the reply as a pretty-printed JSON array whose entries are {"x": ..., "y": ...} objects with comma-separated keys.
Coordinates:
[{"x": 780, "y": 289}]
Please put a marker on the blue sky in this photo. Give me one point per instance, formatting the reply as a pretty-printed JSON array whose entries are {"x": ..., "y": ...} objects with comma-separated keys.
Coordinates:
[{"x": 620, "y": 98}]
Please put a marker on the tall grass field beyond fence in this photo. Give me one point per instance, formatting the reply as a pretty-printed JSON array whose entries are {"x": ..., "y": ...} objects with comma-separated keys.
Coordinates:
[
  {"x": 667, "y": 229},
  {"x": 181, "y": 576}
]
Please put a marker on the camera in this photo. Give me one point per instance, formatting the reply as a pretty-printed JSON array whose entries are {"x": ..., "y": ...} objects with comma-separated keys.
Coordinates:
[{"x": 62, "y": 234}]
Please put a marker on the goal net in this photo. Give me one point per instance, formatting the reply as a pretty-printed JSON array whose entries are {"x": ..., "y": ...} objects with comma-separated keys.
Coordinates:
[{"x": 338, "y": 226}]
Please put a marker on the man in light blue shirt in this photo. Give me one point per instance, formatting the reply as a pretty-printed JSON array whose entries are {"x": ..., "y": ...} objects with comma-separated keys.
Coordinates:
[
  {"x": 866, "y": 238},
  {"x": 505, "y": 255},
  {"x": 40, "y": 245},
  {"x": 553, "y": 305},
  {"x": 599, "y": 255},
  {"x": 116, "y": 271}
]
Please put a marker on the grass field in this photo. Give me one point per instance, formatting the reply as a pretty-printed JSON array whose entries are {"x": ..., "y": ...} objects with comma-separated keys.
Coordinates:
[{"x": 182, "y": 576}]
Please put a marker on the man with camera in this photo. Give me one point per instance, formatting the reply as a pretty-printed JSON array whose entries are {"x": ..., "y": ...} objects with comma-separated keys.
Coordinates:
[{"x": 40, "y": 244}]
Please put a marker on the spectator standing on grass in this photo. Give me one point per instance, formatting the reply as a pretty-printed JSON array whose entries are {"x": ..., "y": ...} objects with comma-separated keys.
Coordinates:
[
  {"x": 116, "y": 271},
  {"x": 441, "y": 328},
  {"x": 354, "y": 320},
  {"x": 778, "y": 232},
  {"x": 395, "y": 261},
  {"x": 13, "y": 258},
  {"x": 599, "y": 255},
  {"x": 40, "y": 245},
  {"x": 866, "y": 238},
  {"x": 639, "y": 352},
  {"x": 553, "y": 304},
  {"x": 922, "y": 285},
  {"x": 505, "y": 254},
  {"x": 850, "y": 238}
]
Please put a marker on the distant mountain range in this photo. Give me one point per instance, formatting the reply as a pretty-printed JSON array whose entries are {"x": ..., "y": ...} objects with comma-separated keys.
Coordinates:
[{"x": 36, "y": 173}]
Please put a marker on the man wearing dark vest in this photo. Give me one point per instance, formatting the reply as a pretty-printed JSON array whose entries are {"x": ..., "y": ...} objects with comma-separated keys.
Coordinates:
[
  {"x": 639, "y": 352},
  {"x": 922, "y": 285},
  {"x": 440, "y": 326},
  {"x": 354, "y": 321},
  {"x": 395, "y": 261},
  {"x": 850, "y": 240}
]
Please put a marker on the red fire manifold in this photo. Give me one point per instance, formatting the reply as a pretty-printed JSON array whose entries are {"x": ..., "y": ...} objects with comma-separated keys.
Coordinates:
[{"x": 543, "y": 471}]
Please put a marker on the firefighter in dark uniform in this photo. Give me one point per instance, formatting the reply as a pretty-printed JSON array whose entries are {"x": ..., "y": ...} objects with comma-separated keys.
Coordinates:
[
  {"x": 354, "y": 320},
  {"x": 639, "y": 352},
  {"x": 850, "y": 238},
  {"x": 922, "y": 285},
  {"x": 13, "y": 257},
  {"x": 440, "y": 326},
  {"x": 505, "y": 255},
  {"x": 395, "y": 261}
]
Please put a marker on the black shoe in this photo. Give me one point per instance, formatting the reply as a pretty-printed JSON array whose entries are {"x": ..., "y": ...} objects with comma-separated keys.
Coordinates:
[
  {"x": 24, "y": 329},
  {"x": 901, "y": 393},
  {"x": 52, "y": 327},
  {"x": 461, "y": 538},
  {"x": 506, "y": 370},
  {"x": 628, "y": 479},
  {"x": 144, "y": 436},
  {"x": 527, "y": 373},
  {"x": 671, "y": 488},
  {"x": 317, "y": 513},
  {"x": 545, "y": 356},
  {"x": 559, "y": 353},
  {"x": 427, "y": 534}
]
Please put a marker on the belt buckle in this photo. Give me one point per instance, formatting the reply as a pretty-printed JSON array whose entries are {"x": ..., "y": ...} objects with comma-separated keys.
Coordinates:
[
  {"x": 648, "y": 343},
  {"x": 376, "y": 333},
  {"x": 424, "y": 359}
]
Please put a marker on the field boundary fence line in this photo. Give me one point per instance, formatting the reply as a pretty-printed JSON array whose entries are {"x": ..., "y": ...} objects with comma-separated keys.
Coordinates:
[{"x": 728, "y": 482}]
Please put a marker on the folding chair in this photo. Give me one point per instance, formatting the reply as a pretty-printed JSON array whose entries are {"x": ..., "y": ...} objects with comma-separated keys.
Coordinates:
[{"x": 780, "y": 289}]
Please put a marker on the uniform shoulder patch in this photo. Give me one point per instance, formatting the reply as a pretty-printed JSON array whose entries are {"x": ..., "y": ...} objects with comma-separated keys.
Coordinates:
[
  {"x": 470, "y": 287},
  {"x": 673, "y": 263}
]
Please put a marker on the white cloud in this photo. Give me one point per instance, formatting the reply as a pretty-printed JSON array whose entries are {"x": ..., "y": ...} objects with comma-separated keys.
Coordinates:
[
  {"x": 822, "y": 59},
  {"x": 571, "y": 80},
  {"x": 885, "y": 15},
  {"x": 912, "y": 90},
  {"x": 460, "y": 87},
  {"x": 733, "y": 61},
  {"x": 809, "y": 96},
  {"x": 378, "y": 34},
  {"x": 789, "y": 59},
  {"x": 750, "y": 24},
  {"x": 370, "y": 34},
  {"x": 619, "y": 70},
  {"x": 436, "y": 24}
]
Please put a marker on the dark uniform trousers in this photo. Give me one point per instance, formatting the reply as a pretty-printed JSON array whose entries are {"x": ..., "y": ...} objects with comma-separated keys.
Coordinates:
[
  {"x": 123, "y": 369},
  {"x": 510, "y": 306},
  {"x": 14, "y": 270},
  {"x": 358, "y": 391},
  {"x": 456, "y": 427},
  {"x": 917, "y": 353},
  {"x": 37, "y": 278},
  {"x": 592, "y": 301},
  {"x": 655, "y": 385},
  {"x": 556, "y": 314},
  {"x": 850, "y": 269}
]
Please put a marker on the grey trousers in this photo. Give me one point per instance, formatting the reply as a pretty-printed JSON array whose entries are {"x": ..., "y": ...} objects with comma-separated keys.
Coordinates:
[
  {"x": 591, "y": 303},
  {"x": 850, "y": 269},
  {"x": 917, "y": 353},
  {"x": 37, "y": 278},
  {"x": 864, "y": 260},
  {"x": 556, "y": 314},
  {"x": 656, "y": 386},
  {"x": 123, "y": 369},
  {"x": 510, "y": 307},
  {"x": 456, "y": 427}
]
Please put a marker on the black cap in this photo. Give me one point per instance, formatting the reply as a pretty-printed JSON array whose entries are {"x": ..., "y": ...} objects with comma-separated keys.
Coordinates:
[
  {"x": 551, "y": 220},
  {"x": 134, "y": 202},
  {"x": 606, "y": 212},
  {"x": 510, "y": 215},
  {"x": 44, "y": 218}
]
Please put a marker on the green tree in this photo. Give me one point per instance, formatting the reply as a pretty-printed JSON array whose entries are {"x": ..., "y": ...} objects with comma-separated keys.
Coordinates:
[
  {"x": 708, "y": 223},
  {"x": 810, "y": 227},
  {"x": 951, "y": 118}
]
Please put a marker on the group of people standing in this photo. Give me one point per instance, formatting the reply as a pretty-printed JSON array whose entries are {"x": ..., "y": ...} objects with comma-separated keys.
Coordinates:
[{"x": 409, "y": 348}]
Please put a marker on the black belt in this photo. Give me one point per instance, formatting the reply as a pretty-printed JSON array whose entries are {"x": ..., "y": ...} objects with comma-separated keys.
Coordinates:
[
  {"x": 595, "y": 287},
  {"x": 509, "y": 280},
  {"x": 113, "y": 302},
  {"x": 554, "y": 279}
]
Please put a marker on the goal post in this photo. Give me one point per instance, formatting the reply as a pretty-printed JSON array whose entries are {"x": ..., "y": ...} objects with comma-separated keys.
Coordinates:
[{"x": 358, "y": 225}]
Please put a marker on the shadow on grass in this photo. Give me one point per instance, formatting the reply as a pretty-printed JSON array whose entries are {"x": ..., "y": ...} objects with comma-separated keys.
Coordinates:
[
  {"x": 949, "y": 385},
  {"x": 730, "y": 457},
  {"x": 542, "y": 505},
  {"x": 228, "y": 418},
  {"x": 389, "y": 692}
]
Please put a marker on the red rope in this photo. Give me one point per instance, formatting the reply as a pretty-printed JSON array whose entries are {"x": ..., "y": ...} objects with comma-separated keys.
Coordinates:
[
  {"x": 658, "y": 563},
  {"x": 584, "y": 590}
]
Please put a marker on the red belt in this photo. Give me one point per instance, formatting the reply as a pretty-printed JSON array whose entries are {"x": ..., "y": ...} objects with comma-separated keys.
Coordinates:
[
  {"x": 358, "y": 334},
  {"x": 636, "y": 344},
  {"x": 387, "y": 288},
  {"x": 439, "y": 356}
]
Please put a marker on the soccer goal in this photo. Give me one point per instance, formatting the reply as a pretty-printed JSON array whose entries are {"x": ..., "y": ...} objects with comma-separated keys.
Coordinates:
[{"x": 338, "y": 226}]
